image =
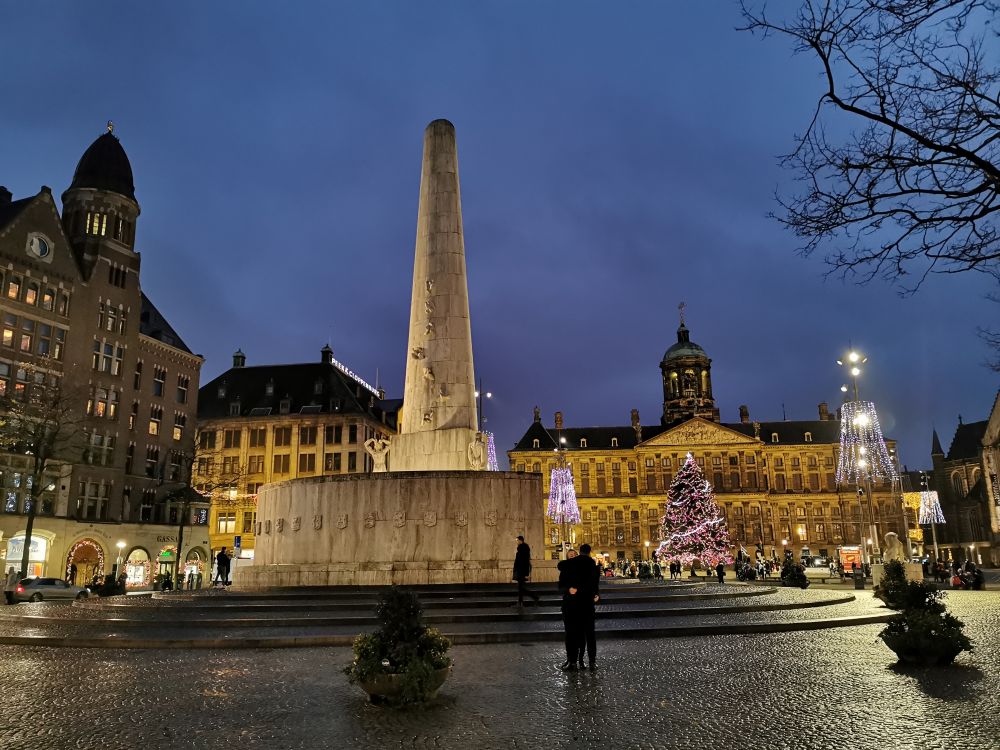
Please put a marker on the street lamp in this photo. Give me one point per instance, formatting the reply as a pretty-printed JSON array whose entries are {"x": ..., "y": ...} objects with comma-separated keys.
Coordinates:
[
  {"x": 121, "y": 550},
  {"x": 647, "y": 549},
  {"x": 480, "y": 394},
  {"x": 852, "y": 361}
]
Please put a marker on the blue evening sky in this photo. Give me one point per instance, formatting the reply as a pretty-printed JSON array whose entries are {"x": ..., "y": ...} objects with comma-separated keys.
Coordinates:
[{"x": 616, "y": 159}]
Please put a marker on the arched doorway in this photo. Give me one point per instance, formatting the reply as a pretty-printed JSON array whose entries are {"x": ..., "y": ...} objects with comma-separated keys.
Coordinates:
[
  {"x": 194, "y": 568},
  {"x": 165, "y": 560},
  {"x": 84, "y": 561},
  {"x": 138, "y": 571}
]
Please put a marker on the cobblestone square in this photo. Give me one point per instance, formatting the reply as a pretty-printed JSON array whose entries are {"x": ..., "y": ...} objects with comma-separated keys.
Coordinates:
[{"x": 835, "y": 688}]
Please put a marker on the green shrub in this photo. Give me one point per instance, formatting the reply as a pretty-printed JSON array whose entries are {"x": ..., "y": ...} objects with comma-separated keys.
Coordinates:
[
  {"x": 401, "y": 646},
  {"x": 924, "y": 631},
  {"x": 892, "y": 589}
]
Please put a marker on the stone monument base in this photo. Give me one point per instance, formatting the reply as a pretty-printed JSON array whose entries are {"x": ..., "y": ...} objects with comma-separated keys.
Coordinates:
[{"x": 396, "y": 528}]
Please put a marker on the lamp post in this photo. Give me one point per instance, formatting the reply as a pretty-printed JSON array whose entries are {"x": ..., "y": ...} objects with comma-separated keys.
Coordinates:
[
  {"x": 121, "y": 550},
  {"x": 647, "y": 549},
  {"x": 480, "y": 394}
]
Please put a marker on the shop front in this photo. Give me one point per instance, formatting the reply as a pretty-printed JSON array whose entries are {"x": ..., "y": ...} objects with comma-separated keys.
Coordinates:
[
  {"x": 37, "y": 555},
  {"x": 138, "y": 569},
  {"x": 85, "y": 562}
]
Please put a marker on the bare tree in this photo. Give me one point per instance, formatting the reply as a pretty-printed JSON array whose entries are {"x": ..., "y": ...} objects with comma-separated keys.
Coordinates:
[
  {"x": 42, "y": 419},
  {"x": 914, "y": 187}
]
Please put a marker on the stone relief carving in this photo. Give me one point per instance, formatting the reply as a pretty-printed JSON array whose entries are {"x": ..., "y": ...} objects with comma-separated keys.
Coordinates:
[
  {"x": 267, "y": 526},
  {"x": 418, "y": 352},
  {"x": 370, "y": 520},
  {"x": 699, "y": 433},
  {"x": 491, "y": 518},
  {"x": 428, "y": 329},
  {"x": 430, "y": 518},
  {"x": 477, "y": 452},
  {"x": 428, "y": 417},
  {"x": 378, "y": 449},
  {"x": 461, "y": 518},
  {"x": 428, "y": 375},
  {"x": 279, "y": 525},
  {"x": 296, "y": 523},
  {"x": 342, "y": 521},
  {"x": 429, "y": 286},
  {"x": 317, "y": 522},
  {"x": 429, "y": 305},
  {"x": 399, "y": 518}
]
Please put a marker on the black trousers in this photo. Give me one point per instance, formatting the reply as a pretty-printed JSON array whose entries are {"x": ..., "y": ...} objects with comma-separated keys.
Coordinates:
[
  {"x": 588, "y": 633},
  {"x": 580, "y": 633},
  {"x": 522, "y": 590}
]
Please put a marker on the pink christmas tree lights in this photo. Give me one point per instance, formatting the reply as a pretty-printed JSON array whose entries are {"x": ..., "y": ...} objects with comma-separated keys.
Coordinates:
[{"x": 692, "y": 526}]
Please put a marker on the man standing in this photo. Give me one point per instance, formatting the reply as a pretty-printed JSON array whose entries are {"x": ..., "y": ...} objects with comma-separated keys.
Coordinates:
[
  {"x": 582, "y": 594},
  {"x": 571, "y": 625},
  {"x": 10, "y": 584},
  {"x": 222, "y": 567},
  {"x": 522, "y": 572}
]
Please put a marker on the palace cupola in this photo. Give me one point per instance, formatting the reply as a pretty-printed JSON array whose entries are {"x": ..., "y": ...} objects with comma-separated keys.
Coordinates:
[{"x": 687, "y": 380}]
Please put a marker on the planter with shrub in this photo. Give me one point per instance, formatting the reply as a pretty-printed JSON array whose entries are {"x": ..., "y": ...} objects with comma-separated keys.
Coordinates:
[
  {"x": 924, "y": 632},
  {"x": 404, "y": 661}
]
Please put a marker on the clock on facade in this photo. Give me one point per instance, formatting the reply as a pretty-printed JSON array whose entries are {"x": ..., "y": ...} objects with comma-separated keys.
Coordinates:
[{"x": 39, "y": 246}]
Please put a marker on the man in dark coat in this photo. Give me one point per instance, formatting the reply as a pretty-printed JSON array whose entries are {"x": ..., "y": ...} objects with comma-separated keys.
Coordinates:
[
  {"x": 222, "y": 567},
  {"x": 582, "y": 594},
  {"x": 575, "y": 641},
  {"x": 522, "y": 572}
]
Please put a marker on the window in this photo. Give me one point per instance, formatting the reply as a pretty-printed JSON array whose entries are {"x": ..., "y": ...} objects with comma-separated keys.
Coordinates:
[
  {"x": 231, "y": 439},
  {"x": 796, "y": 481},
  {"x": 234, "y": 409},
  {"x": 751, "y": 460},
  {"x": 269, "y": 388},
  {"x": 284, "y": 406},
  {"x": 774, "y": 437},
  {"x": 534, "y": 443},
  {"x": 734, "y": 480},
  {"x": 779, "y": 463},
  {"x": 958, "y": 484},
  {"x": 281, "y": 463},
  {"x": 31, "y": 294},
  {"x": 14, "y": 287},
  {"x": 182, "y": 388},
  {"x": 255, "y": 464},
  {"x": 352, "y": 461},
  {"x": 226, "y": 523},
  {"x": 352, "y": 433},
  {"x": 583, "y": 442},
  {"x": 282, "y": 436},
  {"x": 230, "y": 465},
  {"x": 249, "y": 517},
  {"x": 614, "y": 442},
  {"x": 180, "y": 422},
  {"x": 221, "y": 392},
  {"x": 307, "y": 463},
  {"x": 796, "y": 463},
  {"x": 159, "y": 380},
  {"x": 137, "y": 379},
  {"x": 206, "y": 440},
  {"x": 92, "y": 501},
  {"x": 258, "y": 437},
  {"x": 48, "y": 299},
  {"x": 155, "y": 417},
  {"x": 27, "y": 335},
  {"x": 318, "y": 386},
  {"x": 809, "y": 437},
  {"x": 152, "y": 460},
  {"x": 307, "y": 436},
  {"x": 716, "y": 461}
]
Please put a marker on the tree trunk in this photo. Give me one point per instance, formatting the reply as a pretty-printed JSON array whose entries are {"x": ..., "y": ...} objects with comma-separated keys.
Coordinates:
[
  {"x": 185, "y": 509},
  {"x": 26, "y": 552}
]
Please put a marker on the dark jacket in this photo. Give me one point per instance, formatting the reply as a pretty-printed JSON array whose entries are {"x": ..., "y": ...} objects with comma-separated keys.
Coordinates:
[
  {"x": 222, "y": 560},
  {"x": 522, "y": 562},
  {"x": 580, "y": 573}
]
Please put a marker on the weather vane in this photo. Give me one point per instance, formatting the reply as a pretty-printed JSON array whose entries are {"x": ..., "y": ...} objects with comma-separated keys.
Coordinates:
[
  {"x": 681, "y": 307},
  {"x": 111, "y": 127}
]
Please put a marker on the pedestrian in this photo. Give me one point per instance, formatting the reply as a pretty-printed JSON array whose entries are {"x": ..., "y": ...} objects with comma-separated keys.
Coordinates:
[
  {"x": 522, "y": 572},
  {"x": 71, "y": 577},
  {"x": 197, "y": 580},
  {"x": 585, "y": 592},
  {"x": 10, "y": 584},
  {"x": 222, "y": 567},
  {"x": 572, "y": 634},
  {"x": 720, "y": 571},
  {"x": 657, "y": 571}
]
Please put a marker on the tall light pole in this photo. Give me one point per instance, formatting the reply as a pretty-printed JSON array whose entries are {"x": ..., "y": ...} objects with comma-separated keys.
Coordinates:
[{"x": 480, "y": 394}]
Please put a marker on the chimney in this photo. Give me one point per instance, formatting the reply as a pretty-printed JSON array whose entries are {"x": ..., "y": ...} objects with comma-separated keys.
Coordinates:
[
  {"x": 559, "y": 420},
  {"x": 824, "y": 412},
  {"x": 744, "y": 414},
  {"x": 326, "y": 355},
  {"x": 239, "y": 358},
  {"x": 636, "y": 425},
  {"x": 5, "y": 196}
]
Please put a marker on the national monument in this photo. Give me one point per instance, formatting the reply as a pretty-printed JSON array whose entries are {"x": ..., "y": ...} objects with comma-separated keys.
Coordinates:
[{"x": 430, "y": 513}]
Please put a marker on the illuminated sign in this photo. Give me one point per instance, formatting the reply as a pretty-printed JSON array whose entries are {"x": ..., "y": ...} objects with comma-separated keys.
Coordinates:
[{"x": 39, "y": 548}]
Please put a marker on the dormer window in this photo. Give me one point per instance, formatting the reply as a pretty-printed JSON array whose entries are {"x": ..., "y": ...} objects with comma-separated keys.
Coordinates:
[
  {"x": 614, "y": 442},
  {"x": 583, "y": 442},
  {"x": 809, "y": 437},
  {"x": 534, "y": 443},
  {"x": 774, "y": 437},
  {"x": 285, "y": 405},
  {"x": 234, "y": 409},
  {"x": 269, "y": 388},
  {"x": 222, "y": 390},
  {"x": 318, "y": 386}
]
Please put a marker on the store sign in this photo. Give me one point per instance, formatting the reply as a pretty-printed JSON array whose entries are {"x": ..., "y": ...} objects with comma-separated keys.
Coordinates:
[{"x": 39, "y": 548}]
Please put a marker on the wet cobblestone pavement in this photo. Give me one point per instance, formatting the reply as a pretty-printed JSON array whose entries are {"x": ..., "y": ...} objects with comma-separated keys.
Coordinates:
[{"x": 829, "y": 689}]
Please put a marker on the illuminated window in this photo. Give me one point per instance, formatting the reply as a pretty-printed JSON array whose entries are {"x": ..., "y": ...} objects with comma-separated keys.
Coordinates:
[
  {"x": 48, "y": 299},
  {"x": 583, "y": 442},
  {"x": 774, "y": 437},
  {"x": 14, "y": 287},
  {"x": 614, "y": 442},
  {"x": 534, "y": 443},
  {"x": 809, "y": 437},
  {"x": 31, "y": 294}
]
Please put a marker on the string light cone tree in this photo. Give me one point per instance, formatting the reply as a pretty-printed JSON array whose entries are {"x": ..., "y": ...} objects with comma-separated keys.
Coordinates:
[
  {"x": 491, "y": 454},
  {"x": 563, "y": 507},
  {"x": 692, "y": 526}
]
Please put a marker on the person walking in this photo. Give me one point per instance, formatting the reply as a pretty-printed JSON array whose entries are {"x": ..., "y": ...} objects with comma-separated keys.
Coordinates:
[
  {"x": 522, "y": 572},
  {"x": 720, "y": 571},
  {"x": 9, "y": 584}
]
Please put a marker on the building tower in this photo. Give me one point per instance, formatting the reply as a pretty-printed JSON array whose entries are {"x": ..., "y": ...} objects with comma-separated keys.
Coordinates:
[
  {"x": 687, "y": 380},
  {"x": 100, "y": 209}
]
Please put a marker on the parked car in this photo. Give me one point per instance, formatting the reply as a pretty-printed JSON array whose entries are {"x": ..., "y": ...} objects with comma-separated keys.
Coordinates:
[{"x": 39, "y": 589}]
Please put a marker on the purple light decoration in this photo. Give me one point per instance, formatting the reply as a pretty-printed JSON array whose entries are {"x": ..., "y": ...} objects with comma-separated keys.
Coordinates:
[
  {"x": 491, "y": 454},
  {"x": 930, "y": 509},
  {"x": 562, "y": 497}
]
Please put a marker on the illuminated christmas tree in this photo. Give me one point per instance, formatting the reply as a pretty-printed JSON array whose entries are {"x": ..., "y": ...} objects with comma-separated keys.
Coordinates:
[{"x": 693, "y": 527}]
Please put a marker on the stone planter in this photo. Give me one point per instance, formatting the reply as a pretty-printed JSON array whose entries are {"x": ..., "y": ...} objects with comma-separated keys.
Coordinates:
[
  {"x": 386, "y": 688},
  {"x": 923, "y": 652}
]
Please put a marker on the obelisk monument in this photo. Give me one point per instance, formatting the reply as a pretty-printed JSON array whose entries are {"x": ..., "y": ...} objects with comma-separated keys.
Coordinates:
[{"x": 438, "y": 419}]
